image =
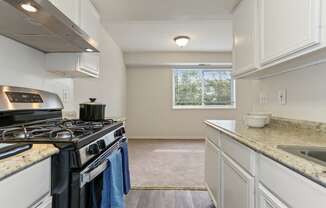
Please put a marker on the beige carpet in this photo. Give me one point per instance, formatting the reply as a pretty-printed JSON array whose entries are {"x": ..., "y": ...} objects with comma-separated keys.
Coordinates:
[{"x": 167, "y": 164}]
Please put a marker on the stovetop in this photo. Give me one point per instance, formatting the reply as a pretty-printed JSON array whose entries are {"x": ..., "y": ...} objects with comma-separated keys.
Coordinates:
[{"x": 60, "y": 132}]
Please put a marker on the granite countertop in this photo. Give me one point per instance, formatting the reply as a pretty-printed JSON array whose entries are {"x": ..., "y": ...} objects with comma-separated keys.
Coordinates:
[
  {"x": 38, "y": 152},
  {"x": 281, "y": 132}
]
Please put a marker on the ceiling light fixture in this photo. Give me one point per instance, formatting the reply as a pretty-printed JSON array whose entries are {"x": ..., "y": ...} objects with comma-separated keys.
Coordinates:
[
  {"x": 89, "y": 50},
  {"x": 29, "y": 7},
  {"x": 181, "y": 41}
]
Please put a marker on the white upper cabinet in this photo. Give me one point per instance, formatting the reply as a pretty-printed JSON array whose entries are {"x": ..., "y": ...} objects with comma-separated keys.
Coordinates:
[
  {"x": 89, "y": 20},
  {"x": 245, "y": 41},
  {"x": 73, "y": 64},
  {"x": 276, "y": 36},
  {"x": 288, "y": 27},
  {"x": 69, "y": 8},
  {"x": 83, "y": 14}
]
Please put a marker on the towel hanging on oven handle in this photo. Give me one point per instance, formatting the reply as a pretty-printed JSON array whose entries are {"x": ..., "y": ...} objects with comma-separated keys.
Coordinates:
[{"x": 93, "y": 169}]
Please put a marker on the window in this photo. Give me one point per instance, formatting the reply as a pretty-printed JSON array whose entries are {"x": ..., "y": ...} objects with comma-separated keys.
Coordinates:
[{"x": 203, "y": 88}]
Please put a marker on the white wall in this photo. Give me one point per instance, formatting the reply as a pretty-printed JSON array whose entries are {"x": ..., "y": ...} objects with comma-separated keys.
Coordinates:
[
  {"x": 25, "y": 67},
  {"x": 110, "y": 88},
  {"x": 306, "y": 94},
  {"x": 149, "y": 108},
  {"x": 148, "y": 59}
]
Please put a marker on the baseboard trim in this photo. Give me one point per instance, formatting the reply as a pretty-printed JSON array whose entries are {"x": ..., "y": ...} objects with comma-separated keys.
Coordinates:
[
  {"x": 210, "y": 193},
  {"x": 169, "y": 188},
  {"x": 166, "y": 138}
]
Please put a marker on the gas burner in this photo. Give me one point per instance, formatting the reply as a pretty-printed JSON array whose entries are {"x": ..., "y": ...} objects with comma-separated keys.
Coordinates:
[
  {"x": 63, "y": 134},
  {"x": 20, "y": 134},
  {"x": 53, "y": 130}
]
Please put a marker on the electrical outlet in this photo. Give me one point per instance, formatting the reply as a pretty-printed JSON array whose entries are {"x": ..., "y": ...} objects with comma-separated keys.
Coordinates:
[
  {"x": 262, "y": 99},
  {"x": 65, "y": 95},
  {"x": 282, "y": 97}
]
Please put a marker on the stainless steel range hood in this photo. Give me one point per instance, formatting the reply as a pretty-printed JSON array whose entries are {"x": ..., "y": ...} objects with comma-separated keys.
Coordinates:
[{"x": 47, "y": 30}]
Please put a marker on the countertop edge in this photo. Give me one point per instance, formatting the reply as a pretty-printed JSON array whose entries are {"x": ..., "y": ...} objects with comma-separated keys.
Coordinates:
[{"x": 18, "y": 168}]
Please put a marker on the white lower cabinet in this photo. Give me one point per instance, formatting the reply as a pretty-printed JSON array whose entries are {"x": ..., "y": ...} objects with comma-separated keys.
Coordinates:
[
  {"x": 237, "y": 185},
  {"x": 239, "y": 177},
  {"x": 267, "y": 200},
  {"x": 28, "y": 188},
  {"x": 212, "y": 172},
  {"x": 295, "y": 190},
  {"x": 44, "y": 203}
]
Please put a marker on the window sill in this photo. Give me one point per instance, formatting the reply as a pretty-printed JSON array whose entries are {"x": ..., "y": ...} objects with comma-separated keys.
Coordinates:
[{"x": 225, "y": 107}]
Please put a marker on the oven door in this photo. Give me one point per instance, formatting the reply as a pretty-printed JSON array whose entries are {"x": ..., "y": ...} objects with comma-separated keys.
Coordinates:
[{"x": 86, "y": 185}]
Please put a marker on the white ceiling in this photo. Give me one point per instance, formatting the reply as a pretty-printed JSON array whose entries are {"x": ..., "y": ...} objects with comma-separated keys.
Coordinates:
[
  {"x": 158, "y": 36},
  {"x": 151, "y": 25}
]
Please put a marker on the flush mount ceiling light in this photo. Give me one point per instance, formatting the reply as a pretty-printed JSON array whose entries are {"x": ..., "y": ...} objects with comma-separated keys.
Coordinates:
[
  {"x": 28, "y": 7},
  {"x": 181, "y": 41},
  {"x": 89, "y": 50}
]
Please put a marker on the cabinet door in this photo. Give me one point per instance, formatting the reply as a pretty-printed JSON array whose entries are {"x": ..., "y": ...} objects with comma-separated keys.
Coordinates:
[
  {"x": 267, "y": 200},
  {"x": 69, "y": 8},
  {"x": 287, "y": 27},
  {"x": 237, "y": 185},
  {"x": 90, "y": 21},
  {"x": 89, "y": 64},
  {"x": 244, "y": 37},
  {"x": 213, "y": 172}
]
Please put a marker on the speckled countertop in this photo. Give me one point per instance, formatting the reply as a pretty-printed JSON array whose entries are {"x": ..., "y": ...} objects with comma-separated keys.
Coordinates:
[
  {"x": 25, "y": 159},
  {"x": 281, "y": 132}
]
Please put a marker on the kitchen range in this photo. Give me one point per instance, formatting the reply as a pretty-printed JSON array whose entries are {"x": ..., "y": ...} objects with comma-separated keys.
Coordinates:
[{"x": 29, "y": 116}]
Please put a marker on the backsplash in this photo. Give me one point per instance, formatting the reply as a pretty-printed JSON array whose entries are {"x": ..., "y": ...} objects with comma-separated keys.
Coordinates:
[
  {"x": 305, "y": 94},
  {"x": 25, "y": 67},
  {"x": 298, "y": 124}
]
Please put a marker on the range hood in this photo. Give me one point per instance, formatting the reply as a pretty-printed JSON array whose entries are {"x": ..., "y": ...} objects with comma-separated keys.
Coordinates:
[{"x": 47, "y": 30}]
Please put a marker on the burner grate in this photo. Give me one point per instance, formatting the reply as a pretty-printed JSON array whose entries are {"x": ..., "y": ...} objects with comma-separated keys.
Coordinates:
[{"x": 53, "y": 130}]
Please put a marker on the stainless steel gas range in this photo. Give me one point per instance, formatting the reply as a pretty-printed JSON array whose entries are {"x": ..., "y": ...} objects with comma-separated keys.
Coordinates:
[{"x": 29, "y": 116}]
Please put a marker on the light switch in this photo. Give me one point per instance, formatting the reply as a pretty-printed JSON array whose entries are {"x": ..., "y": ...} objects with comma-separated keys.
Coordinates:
[{"x": 282, "y": 97}]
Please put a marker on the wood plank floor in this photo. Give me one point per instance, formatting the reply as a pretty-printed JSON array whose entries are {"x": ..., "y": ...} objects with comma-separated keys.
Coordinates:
[{"x": 168, "y": 199}]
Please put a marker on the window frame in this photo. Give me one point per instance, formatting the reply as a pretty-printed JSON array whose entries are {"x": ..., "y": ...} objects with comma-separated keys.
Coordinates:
[{"x": 202, "y": 106}]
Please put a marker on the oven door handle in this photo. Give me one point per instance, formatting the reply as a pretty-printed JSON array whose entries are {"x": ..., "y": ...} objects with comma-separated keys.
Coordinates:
[
  {"x": 89, "y": 176},
  {"x": 91, "y": 172}
]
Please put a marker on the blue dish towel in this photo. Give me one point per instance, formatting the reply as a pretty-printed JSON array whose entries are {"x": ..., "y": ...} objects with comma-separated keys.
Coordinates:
[
  {"x": 125, "y": 168},
  {"x": 112, "y": 193}
]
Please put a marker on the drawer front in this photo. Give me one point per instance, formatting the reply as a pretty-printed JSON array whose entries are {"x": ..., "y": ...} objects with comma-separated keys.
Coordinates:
[
  {"x": 213, "y": 135},
  {"x": 267, "y": 200},
  {"x": 290, "y": 187},
  {"x": 44, "y": 203},
  {"x": 241, "y": 154},
  {"x": 25, "y": 188}
]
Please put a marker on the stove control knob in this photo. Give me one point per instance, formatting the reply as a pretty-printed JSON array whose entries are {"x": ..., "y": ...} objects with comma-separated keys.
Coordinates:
[
  {"x": 101, "y": 144},
  {"x": 93, "y": 149}
]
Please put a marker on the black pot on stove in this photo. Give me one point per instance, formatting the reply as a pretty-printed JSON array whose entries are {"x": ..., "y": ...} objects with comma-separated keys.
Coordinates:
[{"x": 92, "y": 111}]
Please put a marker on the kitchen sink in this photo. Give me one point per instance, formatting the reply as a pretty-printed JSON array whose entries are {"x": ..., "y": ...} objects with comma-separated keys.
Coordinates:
[{"x": 315, "y": 154}]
